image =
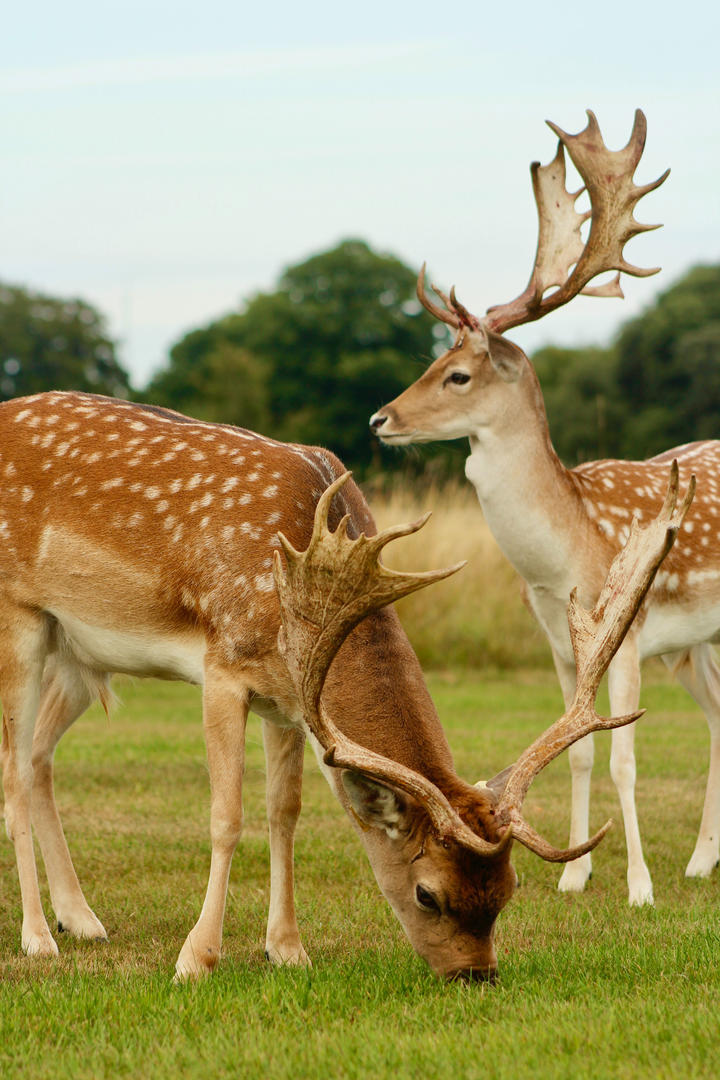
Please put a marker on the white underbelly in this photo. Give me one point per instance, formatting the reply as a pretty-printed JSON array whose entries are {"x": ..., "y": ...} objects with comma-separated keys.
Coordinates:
[
  {"x": 143, "y": 652},
  {"x": 669, "y": 628}
]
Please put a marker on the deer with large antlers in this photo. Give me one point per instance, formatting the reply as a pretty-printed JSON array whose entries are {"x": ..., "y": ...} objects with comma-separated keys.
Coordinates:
[
  {"x": 561, "y": 527},
  {"x": 139, "y": 541}
]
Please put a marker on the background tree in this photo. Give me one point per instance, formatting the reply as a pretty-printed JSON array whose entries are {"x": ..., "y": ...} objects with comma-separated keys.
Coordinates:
[
  {"x": 585, "y": 412},
  {"x": 668, "y": 364},
  {"x": 51, "y": 344},
  {"x": 658, "y": 386},
  {"x": 342, "y": 334}
]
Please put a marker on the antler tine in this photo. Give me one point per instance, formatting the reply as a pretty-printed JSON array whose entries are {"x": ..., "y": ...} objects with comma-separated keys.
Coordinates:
[
  {"x": 607, "y": 176},
  {"x": 466, "y": 317},
  {"x": 448, "y": 316},
  {"x": 596, "y": 636},
  {"x": 324, "y": 593}
]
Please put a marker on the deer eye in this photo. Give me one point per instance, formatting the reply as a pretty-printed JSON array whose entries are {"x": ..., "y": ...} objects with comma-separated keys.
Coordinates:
[
  {"x": 426, "y": 899},
  {"x": 458, "y": 378}
]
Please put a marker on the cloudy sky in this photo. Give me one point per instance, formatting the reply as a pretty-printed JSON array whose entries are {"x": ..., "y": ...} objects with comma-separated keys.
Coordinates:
[{"x": 166, "y": 161}]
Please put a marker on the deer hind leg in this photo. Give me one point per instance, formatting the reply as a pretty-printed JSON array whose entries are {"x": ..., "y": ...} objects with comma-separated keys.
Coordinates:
[
  {"x": 284, "y": 755},
  {"x": 23, "y": 647},
  {"x": 225, "y": 709},
  {"x": 67, "y": 692},
  {"x": 576, "y": 874},
  {"x": 697, "y": 670},
  {"x": 624, "y": 691}
]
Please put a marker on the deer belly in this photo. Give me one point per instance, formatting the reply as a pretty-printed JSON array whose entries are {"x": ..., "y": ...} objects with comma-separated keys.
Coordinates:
[
  {"x": 144, "y": 652},
  {"x": 671, "y": 627}
]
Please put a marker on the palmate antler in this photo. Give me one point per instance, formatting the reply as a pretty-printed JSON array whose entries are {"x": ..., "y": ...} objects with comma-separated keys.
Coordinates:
[
  {"x": 328, "y": 589},
  {"x": 563, "y": 261},
  {"x": 324, "y": 593}
]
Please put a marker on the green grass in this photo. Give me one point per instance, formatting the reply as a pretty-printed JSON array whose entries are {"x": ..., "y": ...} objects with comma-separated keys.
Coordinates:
[{"x": 588, "y": 987}]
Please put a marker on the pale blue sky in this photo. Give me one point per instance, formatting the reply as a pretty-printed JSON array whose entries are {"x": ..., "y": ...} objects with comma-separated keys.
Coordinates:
[{"x": 167, "y": 161}]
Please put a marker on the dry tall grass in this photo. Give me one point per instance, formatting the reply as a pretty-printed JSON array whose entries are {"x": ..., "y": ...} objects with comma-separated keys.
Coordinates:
[{"x": 475, "y": 618}]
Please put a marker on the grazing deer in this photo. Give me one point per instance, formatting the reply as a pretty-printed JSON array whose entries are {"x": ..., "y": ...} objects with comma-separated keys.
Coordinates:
[
  {"x": 561, "y": 527},
  {"x": 136, "y": 540}
]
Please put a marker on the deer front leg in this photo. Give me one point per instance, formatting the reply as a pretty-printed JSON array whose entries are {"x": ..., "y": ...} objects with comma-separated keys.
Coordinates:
[
  {"x": 65, "y": 696},
  {"x": 284, "y": 749},
  {"x": 225, "y": 709},
  {"x": 22, "y": 646},
  {"x": 576, "y": 874},
  {"x": 624, "y": 690}
]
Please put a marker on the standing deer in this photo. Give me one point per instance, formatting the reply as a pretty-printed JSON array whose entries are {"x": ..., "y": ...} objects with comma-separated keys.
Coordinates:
[
  {"x": 561, "y": 527},
  {"x": 136, "y": 540}
]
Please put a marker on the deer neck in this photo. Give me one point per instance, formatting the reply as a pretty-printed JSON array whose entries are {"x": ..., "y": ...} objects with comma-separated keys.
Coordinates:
[
  {"x": 527, "y": 495},
  {"x": 376, "y": 694}
]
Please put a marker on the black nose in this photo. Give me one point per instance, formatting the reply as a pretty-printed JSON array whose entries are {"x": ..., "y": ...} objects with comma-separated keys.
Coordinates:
[{"x": 377, "y": 422}]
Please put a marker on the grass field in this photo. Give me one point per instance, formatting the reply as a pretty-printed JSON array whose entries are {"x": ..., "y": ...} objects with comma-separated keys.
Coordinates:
[{"x": 588, "y": 987}]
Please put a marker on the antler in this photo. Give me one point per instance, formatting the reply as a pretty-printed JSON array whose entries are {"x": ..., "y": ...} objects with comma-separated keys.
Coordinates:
[
  {"x": 596, "y": 636},
  {"x": 563, "y": 260},
  {"x": 324, "y": 593},
  {"x": 613, "y": 196}
]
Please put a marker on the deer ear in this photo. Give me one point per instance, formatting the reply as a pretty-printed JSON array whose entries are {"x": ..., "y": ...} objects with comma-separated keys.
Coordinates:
[
  {"x": 506, "y": 358},
  {"x": 376, "y": 804},
  {"x": 496, "y": 785}
]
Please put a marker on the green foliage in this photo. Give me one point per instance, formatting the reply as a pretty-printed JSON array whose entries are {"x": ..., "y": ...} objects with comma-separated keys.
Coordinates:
[
  {"x": 668, "y": 364},
  {"x": 310, "y": 362},
  {"x": 657, "y": 387},
  {"x": 51, "y": 344},
  {"x": 585, "y": 412}
]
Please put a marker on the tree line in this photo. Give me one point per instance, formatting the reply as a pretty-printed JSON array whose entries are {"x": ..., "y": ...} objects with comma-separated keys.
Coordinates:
[{"x": 343, "y": 333}]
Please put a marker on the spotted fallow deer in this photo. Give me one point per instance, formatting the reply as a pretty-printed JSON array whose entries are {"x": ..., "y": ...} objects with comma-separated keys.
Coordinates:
[
  {"x": 561, "y": 527},
  {"x": 136, "y": 540}
]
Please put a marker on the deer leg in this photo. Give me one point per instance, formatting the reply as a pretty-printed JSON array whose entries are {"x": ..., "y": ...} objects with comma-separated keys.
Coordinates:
[
  {"x": 624, "y": 690},
  {"x": 65, "y": 696},
  {"x": 581, "y": 754},
  {"x": 284, "y": 755},
  {"x": 225, "y": 709},
  {"x": 697, "y": 670},
  {"x": 23, "y": 645}
]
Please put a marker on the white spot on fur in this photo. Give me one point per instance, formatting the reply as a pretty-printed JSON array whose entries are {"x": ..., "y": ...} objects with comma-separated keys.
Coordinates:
[
  {"x": 270, "y": 492},
  {"x": 27, "y": 494},
  {"x": 230, "y": 483},
  {"x": 264, "y": 583}
]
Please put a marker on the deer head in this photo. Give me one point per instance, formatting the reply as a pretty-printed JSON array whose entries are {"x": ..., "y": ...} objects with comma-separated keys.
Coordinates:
[
  {"x": 467, "y": 387},
  {"x": 442, "y": 857}
]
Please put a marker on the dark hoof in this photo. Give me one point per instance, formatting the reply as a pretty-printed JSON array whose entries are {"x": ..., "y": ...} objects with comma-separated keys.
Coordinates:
[{"x": 61, "y": 928}]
